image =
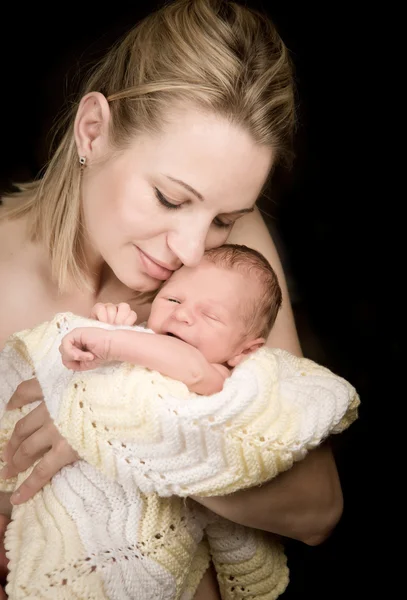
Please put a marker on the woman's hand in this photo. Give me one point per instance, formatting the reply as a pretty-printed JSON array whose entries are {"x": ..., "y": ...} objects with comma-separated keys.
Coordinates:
[{"x": 34, "y": 436}]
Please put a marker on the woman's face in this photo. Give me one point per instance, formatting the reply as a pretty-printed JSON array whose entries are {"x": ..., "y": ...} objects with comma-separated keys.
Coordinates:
[{"x": 169, "y": 197}]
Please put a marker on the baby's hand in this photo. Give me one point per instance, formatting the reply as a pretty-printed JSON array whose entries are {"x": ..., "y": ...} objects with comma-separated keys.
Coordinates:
[
  {"x": 86, "y": 348},
  {"x": 115, "y": 314}
]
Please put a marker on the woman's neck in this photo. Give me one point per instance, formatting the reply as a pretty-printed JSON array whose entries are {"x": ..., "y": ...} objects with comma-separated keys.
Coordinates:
[{"x": 31, "y": 260}]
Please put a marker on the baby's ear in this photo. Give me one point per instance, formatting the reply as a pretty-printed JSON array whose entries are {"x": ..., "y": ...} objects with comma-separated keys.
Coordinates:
[{"x": 247, "y": 347}]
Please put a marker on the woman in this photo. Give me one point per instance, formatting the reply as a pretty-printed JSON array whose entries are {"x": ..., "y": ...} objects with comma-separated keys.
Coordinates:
[{"x": 174, "y": 137}]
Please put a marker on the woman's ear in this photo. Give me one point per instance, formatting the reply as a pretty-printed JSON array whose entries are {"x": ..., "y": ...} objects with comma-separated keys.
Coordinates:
[
  {"x": 92, "y": 126},
  {"x": 248, "y": 347}
]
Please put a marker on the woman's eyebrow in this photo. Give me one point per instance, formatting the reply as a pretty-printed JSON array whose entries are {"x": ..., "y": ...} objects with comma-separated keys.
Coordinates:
[
  {"x": 201, "y": 198},
  {"x": 187, "y": 187},
  {"x": 242, "y": 211}
]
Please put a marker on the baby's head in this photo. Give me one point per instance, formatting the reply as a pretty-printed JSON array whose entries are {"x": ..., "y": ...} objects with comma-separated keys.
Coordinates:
[{"x": 225, "y": 306}]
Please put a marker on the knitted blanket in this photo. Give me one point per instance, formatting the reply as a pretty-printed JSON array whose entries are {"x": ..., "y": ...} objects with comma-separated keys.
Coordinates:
[{"x": 118, "y": 524}]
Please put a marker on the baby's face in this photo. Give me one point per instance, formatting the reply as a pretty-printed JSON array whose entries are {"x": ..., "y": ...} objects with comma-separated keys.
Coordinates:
[{"x": 204, "y": 306}]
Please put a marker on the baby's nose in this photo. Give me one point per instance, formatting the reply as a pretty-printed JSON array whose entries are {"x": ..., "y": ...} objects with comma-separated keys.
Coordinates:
[{"x": 183, "y": 314}]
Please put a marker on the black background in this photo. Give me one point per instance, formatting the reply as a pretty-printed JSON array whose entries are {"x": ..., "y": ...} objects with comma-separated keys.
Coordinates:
[{"x": 329, "y": 225}]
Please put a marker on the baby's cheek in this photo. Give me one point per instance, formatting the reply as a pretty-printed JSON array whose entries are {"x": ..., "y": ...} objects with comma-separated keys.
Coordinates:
[
  {"x": 209, "y": 347},
  {"x": 153, "y": 323}
]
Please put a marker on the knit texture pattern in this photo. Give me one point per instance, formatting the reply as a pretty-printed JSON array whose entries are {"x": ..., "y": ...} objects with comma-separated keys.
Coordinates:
[{"x": 118, "y": 524}]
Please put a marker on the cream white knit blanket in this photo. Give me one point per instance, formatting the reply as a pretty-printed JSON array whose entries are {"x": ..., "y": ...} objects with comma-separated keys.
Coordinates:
[{"x": 115, "y": 525}]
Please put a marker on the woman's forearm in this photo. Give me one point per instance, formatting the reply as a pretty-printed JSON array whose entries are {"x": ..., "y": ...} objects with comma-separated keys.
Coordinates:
[{"x": 304, "y": 503}]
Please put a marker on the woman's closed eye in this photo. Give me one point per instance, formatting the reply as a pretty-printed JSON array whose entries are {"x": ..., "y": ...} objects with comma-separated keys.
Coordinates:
[
  {"x": 173, "y": 300},
  {"x": 164, "y": 201},
  {"x": 218, "y": 222}
]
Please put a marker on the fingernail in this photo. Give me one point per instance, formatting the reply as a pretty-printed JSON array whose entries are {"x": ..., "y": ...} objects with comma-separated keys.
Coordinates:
[{"x": 15, "y": 497}]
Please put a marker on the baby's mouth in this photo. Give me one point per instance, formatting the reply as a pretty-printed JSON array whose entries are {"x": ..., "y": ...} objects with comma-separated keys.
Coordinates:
[
  {"x": 174, "y": 336},
  {"x": 186, "y": 341}
]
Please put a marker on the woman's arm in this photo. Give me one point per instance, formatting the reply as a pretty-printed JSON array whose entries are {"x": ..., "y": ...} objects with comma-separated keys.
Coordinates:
[{"x": 306, "y": 502}]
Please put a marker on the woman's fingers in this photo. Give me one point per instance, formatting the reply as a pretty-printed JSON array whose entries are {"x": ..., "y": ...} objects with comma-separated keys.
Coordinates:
[
  {"x": 60, "y": 455},
  {"x": 26, "y": 454},
  {"x": 25, "y": 427},
  {"x": 36, "y": 435},
  {"x": 27, "y": 392}
]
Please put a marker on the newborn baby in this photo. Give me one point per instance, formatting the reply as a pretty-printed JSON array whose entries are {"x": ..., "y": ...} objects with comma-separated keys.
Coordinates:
[{"x": 208, "y": 319}]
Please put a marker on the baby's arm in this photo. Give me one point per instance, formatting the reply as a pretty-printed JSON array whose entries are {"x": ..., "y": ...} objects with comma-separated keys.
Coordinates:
[
  {"x": 172, "y": 357},
  {"x": 86, "y": 348}
]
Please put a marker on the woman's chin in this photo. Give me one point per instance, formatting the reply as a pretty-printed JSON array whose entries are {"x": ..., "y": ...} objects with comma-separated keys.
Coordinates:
[{"x": 138, "y": 283}]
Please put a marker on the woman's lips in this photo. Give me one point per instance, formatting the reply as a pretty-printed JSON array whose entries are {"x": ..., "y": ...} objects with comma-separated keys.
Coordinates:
[{"x": 152, "y": 268}]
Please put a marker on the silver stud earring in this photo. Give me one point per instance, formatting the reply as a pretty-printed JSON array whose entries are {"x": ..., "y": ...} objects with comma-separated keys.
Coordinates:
[{"x": 82, "y": 161}]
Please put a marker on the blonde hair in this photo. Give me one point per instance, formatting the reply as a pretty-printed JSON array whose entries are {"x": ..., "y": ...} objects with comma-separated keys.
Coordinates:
[
  {"x": 261, "y": 313},
  {"x": 216, "y": 55}
]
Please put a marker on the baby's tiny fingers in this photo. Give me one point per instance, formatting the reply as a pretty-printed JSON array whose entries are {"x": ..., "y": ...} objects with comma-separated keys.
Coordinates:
[
  {"x": 80, "y": 355},
  {"x": 131, "y": 318},
  {"x": 72, "y": 365},
  {"x": 99, "y": 312},
  {"x": 123, "y": 310},
  {"x": 111, "y": 312}
]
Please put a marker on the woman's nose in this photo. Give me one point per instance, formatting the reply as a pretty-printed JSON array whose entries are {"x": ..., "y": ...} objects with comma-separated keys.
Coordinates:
[{"x": 188, "y": 244}]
